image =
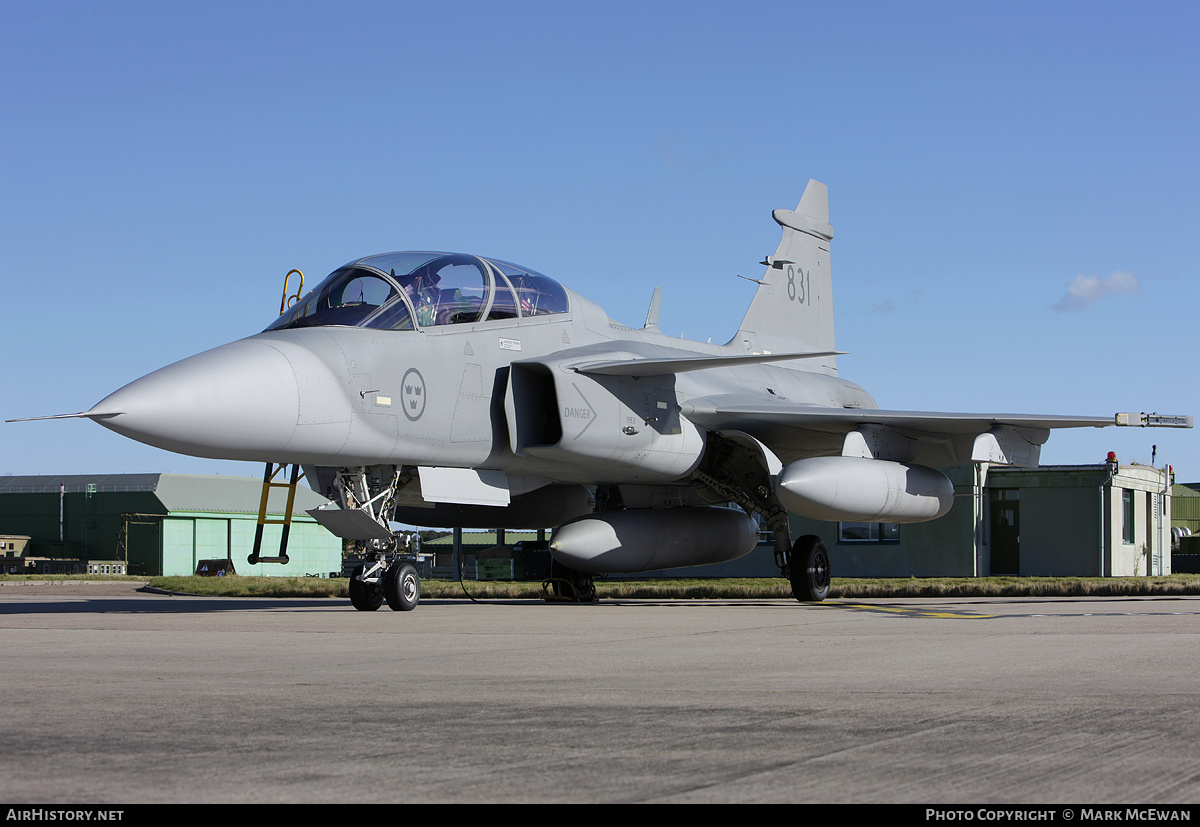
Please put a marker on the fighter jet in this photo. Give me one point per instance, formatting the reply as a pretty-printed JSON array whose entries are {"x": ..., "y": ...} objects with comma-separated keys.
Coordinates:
[{"x": 453, "y": 390}]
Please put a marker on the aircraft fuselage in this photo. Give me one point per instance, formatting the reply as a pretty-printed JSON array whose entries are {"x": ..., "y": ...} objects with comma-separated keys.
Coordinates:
[{"x": 446, "y": 396}]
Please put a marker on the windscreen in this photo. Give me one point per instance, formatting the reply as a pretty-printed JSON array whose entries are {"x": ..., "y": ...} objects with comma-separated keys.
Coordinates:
[
  {"x": 386, "y": 292},
  {"x": 346, "y": 297}
]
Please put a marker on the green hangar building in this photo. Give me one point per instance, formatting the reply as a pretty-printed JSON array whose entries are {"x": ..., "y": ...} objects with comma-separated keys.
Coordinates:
[{"x": 164, "y": 524}]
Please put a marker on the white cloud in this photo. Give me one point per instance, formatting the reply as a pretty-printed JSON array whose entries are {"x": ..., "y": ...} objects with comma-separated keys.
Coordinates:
[{"x": 1084, "y": 291}]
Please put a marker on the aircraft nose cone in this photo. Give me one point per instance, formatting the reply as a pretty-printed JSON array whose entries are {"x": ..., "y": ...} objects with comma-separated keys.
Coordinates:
[{"x": 237, "y": 401}]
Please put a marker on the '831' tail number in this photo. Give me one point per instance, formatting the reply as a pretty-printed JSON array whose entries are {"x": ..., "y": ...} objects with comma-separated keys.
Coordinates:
[{"x": 798, "y": 285}]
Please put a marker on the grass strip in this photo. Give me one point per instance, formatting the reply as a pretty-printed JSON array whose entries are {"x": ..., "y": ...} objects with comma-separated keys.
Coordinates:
[{"x": 683, "y": 589}]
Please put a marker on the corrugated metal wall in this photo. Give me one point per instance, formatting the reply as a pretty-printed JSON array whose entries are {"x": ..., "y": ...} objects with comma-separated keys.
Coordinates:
[{"x": 1185, "y": 507}]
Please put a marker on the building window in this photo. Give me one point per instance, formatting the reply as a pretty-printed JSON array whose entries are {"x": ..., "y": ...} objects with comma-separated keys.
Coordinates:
[
  {"x": 1126, "y": 515},
  {"x": 868, "y": 532}
]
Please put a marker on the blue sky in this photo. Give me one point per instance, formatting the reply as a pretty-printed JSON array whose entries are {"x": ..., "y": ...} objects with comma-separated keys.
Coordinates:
[{"x": 1014, "y": 186}]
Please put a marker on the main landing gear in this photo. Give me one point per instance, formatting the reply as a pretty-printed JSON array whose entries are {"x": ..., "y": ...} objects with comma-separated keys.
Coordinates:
[
  {"x": 567, "y": 585},
  {"x": 373, "y": 583},
  {"x": 736, "y": 472},
  {"x": 808, "y": 569}
]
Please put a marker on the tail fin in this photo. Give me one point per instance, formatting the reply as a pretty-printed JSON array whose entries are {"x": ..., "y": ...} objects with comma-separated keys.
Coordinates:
[{"x": 793, "y": 307}]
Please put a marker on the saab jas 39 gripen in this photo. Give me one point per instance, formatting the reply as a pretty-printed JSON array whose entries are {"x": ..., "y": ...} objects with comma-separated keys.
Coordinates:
[{"x": 452, "y": 390}]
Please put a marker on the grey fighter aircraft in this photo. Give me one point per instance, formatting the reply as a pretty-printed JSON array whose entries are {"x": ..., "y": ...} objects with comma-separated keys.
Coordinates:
[{"x": 445, "y": 389}]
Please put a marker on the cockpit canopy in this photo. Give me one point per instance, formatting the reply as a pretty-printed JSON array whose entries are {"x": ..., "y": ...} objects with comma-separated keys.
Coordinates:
[{"x": 403, "y": 291}]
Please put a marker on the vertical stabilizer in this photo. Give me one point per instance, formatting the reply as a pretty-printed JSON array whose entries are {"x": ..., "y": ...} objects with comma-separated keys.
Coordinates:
[{"x": 792, "y": 309}]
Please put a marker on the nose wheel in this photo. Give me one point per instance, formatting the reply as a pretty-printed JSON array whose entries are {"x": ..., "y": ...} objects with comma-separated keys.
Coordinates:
[
  {"x": 366, "y": 594},
  {"x": 398, "y": 584},
  {"x": 401, "y": 586}
]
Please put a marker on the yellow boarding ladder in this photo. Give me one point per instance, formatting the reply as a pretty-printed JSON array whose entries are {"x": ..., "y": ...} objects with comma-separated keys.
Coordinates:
[{"x": 272, "y": 470}]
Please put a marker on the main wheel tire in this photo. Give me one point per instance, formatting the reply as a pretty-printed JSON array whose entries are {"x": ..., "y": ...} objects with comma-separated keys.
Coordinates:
[
  {"x": 366, "y": 597},
  {"x": 402, "y": 587},
  {"x": 809, "y": 569}
]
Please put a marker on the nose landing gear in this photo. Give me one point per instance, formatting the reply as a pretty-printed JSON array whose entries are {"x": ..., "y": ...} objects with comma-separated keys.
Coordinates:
[{"x": 398, "y": 584}]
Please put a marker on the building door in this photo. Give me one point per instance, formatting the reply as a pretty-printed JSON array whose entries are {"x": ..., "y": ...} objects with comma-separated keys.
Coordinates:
[
  {"x": 142, "y": 544},
  {"x": 1153, "y": 563},
  {"x": 1005, "y": 509}
]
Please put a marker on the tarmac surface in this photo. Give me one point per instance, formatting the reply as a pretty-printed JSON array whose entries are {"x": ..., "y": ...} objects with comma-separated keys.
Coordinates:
[{"x": 123, "y": 697}]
